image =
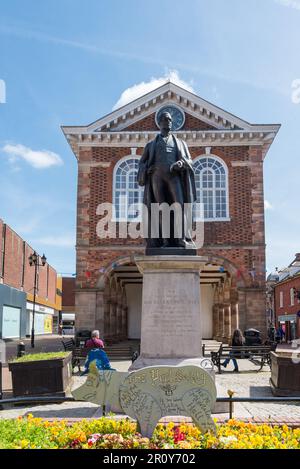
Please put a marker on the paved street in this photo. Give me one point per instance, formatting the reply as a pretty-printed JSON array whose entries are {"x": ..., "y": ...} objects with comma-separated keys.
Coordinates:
[
  {"x": 247, "y": 383},
  {"x": 45, "y": 343}
]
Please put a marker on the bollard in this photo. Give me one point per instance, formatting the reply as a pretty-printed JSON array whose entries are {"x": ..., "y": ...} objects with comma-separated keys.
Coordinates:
[
  {"x": 21, "y": 349},
  {"x": 230, "y": 394}
]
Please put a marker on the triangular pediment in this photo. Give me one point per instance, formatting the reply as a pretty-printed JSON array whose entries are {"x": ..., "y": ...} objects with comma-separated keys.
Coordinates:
[
  {"x": 204, "y": 123},
  {"x": 200, "y": 114}
]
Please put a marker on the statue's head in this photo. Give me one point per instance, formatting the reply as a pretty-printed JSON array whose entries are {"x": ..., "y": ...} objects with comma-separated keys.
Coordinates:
[{"x": 165, "y": 121}]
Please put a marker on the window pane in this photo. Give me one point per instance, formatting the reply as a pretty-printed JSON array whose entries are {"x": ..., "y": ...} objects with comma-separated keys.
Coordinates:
[
  {"x": 210, "y": 179},
  {"x": 127, "y": 190}
]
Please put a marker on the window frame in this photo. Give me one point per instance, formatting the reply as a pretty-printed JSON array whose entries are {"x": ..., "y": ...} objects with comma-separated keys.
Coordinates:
[
  {"x": 116, "y": 218},
  {"x": 214, "y": 189},
  {"x": 292, "y": 297},
  {"x": 281, "y": 299}
]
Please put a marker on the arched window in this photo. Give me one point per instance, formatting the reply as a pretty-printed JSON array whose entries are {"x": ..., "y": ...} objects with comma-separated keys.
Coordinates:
[
  {"x": 212, "y": 188},
  {"x": 127, "y": 194}
]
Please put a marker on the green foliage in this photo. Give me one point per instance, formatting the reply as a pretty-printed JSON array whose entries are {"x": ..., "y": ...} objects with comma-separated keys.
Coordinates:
[
  {"x": 108, "y": 433},
  {"x": 30, "y": 357}
]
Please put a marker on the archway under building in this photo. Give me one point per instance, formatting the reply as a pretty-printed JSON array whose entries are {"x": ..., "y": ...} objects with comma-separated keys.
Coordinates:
[{"x": 122, "y": 285}]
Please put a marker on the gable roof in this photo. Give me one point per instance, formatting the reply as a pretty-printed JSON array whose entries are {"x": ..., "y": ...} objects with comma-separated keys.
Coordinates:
[{"x": 117, "y": 121}]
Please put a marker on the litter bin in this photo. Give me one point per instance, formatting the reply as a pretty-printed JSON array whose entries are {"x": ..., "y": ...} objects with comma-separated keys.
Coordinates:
[
  {"x": 252, "y": 337},
  {"x": 81, "y": 337}
]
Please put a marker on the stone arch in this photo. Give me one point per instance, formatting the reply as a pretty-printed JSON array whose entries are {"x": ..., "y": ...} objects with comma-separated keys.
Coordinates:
[
  {"x": 107, "y": 272},
  {"x": 238, "y": 278},
  {"x": 119, "y": 308},
  {"x": 113, "y": 308},
  {"x": 114, "y": 299},
  {"x": 229, "y": 309},
  {"x": 124, "y": 314}
]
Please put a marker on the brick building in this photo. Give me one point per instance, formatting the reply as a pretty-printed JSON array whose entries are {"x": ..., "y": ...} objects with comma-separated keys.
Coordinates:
[
  {"x": 228, "y": 155},
  {"x": 68, "y": 305},
  {"x": 286, "y": 299},
  {"x": 17, "y": 288}
]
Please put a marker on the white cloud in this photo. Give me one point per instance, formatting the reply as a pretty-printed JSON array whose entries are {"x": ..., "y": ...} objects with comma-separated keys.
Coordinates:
[
  {"x": 268, "y": 206},
  {"x": 2, "y": 92},
  {"x": 289, "y": 3},
  {"x": 41, "y": 159},
  {"x": 136, "y": 91},
  {"x": 296, "y": 91}
]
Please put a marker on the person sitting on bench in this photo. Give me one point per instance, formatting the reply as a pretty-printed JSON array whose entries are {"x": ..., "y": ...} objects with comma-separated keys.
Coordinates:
[
  {"x": 94, "y": 341},
  {"x": 236, "y": 341}
]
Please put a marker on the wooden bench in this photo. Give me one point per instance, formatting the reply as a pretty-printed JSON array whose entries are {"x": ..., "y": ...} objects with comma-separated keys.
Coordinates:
[
  {"x": 208, "y": 348},
  {"x": 257, "y": 354},
  {"x": 68, "y": 345},
  {"x": 79, "y": 354}
]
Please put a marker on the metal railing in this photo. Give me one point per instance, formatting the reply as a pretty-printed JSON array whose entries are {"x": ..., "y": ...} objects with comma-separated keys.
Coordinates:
[{"x": 230, "y": 400}]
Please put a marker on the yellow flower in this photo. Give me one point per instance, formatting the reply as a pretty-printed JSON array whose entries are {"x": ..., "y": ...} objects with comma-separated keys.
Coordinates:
[
  {"x": 184, "y": 444},
  {"x": 24, "y": 443}
]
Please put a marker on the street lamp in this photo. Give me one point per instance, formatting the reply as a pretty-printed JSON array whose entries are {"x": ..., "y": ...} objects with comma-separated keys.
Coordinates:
[{"x": 34, "y": 260}]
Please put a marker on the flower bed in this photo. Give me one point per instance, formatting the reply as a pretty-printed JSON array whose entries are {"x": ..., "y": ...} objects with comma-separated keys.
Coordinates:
[{"x": 105, "y": 433}]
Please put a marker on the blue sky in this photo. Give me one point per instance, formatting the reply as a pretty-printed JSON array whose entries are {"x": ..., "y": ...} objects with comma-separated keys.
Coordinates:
[{"x": 68, "y": 62}]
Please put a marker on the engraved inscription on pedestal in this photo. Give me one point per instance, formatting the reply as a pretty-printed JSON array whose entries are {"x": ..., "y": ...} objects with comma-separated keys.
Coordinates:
[{"x": 171, "y": 315}]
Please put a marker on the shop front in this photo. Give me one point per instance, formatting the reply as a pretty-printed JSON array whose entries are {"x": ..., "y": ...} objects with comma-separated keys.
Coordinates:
[
  {"x": 43, "y": 320},
  {"x": 12, "y": 313},
  {"x": 289, "y": 326}
]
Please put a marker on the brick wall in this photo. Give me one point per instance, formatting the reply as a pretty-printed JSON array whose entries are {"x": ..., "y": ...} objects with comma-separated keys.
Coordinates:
[
  {"x": 148, "y": 123},
  {"x": 246, "y": 210},
  {"x": 13, "y": 259},
  {"x": 1, "y": 249},
  {"x": 285, "y": 287},
  {"x": 68, "y": 291},
  {"x": 29, "y": 271},
  {"x": 97, "y": 183},
  {"x": 17, "y": 271}
]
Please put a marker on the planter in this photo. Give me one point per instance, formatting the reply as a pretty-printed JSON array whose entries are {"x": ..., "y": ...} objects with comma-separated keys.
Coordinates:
[
  {"x": 42, "y": 377},
  {"x": 285, "y": 375}
]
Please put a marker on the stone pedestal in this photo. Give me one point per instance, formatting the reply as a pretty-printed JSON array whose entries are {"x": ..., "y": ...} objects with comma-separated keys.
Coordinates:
[
  {"x": 285, "y": 373},
  {"x": 171, "y": 315},
  {"x": 171, "y": 325}
]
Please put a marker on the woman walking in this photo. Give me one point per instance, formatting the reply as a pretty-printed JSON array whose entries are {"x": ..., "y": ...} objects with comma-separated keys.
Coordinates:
[{"x": 236, "y": 341}]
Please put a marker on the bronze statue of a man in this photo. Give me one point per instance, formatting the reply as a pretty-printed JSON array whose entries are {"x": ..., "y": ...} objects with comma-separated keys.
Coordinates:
[{"x": 166, "y": 171}]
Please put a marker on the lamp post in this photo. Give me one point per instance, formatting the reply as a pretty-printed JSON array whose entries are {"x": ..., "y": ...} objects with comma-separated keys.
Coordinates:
[{"x": 34, "y": 260}]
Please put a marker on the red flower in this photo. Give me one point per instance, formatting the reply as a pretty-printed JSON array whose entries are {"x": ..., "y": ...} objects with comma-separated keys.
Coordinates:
[
  {"x": 75, "y": 443},
  {"x": 178, "y": 435}
]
